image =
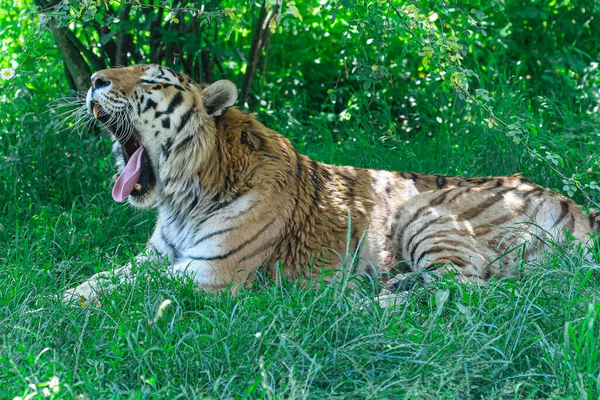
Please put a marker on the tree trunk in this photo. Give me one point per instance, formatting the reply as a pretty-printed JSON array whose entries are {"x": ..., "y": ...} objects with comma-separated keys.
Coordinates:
[
  {"x": 78, "y": 69},
  {"x": 156, "y": 44},
  {"x": 78, "y": 72},
  {"x": 96, "y": 62},
  {"x": 124, "y": 41},
  {"x": 260, "y": 39},
  {"x": 207, "y": 66}
]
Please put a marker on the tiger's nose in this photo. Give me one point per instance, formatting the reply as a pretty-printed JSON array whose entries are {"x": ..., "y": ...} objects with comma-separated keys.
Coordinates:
[{"x": 99, "y": 82}]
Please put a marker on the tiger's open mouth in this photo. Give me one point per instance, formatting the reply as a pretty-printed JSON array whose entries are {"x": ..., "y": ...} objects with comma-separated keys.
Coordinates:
[{"x": 137, "y": 177}]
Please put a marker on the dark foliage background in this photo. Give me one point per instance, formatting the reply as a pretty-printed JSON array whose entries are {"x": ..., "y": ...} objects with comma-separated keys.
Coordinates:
[{"x": 421, "y": 71}]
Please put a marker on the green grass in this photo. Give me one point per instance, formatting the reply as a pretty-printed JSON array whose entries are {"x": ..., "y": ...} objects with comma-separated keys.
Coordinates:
[
  {"x": 520, "y": 338},
  {"x": 533, "y": 337}
]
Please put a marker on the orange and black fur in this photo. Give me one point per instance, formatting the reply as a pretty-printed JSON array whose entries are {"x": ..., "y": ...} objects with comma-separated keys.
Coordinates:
[{"x": 234, "y": 195}]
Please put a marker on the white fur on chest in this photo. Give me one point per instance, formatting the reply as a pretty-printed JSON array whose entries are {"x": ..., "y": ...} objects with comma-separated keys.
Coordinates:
[{"x": 202, "y": 234}]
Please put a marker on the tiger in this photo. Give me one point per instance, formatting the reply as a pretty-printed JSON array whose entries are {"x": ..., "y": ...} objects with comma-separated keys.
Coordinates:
[{"x": 235, "y": 198}]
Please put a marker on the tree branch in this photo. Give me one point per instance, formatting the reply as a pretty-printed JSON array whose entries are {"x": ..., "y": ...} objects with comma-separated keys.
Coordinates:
[{"x": 259, "y": 39}]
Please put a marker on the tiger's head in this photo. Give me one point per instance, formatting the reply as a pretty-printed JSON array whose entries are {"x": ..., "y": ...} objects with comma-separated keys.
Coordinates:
[{"x": 163, "y": 123}]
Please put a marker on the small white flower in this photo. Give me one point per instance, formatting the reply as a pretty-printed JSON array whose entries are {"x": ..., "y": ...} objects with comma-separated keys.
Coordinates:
[
  {"x": 53, "y": 384},
  {"x": 7, "y": 73},
  {"x": 257, "y": 335},
  {"x": 46, "y": 392}
]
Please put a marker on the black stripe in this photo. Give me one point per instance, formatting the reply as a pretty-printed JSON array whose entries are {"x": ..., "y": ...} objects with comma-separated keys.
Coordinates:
[
  {"x": 570, "y": 225},
  {"x": 564, "y": 209},
  {"x": 166, "y": 148},
  {"x": 325, "y": 173},
  {"x": 183, "y": 143},
  {"x": 456, "y": 243},
  {"x": 388, "y": 192},
  {"x": 592, "y": 220},
  {"x": 434, "y": 202},
  {"x": 244, "y": 138},
  {"x": 532, "y": 192},
  {"x": 441, "y": 181},
  {"x": 315, "y": 180},
  {"x": 270, "y": 245},
  {"x": 220, "y": 203},
  {"x": 185, "y": 118},
  {"x": 439, "y": 220},
  {"x": 203, "y": 220},
  {"x": 461, "y": 191},
  {"x": 297, "y": 202},
  {"x": 175, "y": 102},
  {"x": 150, "y": 104},
  {"x": 499, "y": 220},
  {"x": 433, "y": 250},
  {"x": 487, "y": 273},
  {"x": 478, "y": 230},
  {"x": 477, "y": 181},
  {"x": 286, "y": 153},
  {"x": 261, "y": 141},
  {"x": 164, "y": 238},
  {"x": 416, "y": 246},
  {"x": 483, "y": 206},
  {"x": 217, "y": 206},
  {"x": 494, "y": 242},
  {"x": 298, "y": 183},
  {"x": 222, "y": 231},
  {"x": 194, "y": 203},
  {"x": 533, "y": 214},
  {"x": 235, "y": 250},
  {"x": 349, "y": 182},
  {"x": 439, "y": 249},
  {"x": 241, "y": 213}
]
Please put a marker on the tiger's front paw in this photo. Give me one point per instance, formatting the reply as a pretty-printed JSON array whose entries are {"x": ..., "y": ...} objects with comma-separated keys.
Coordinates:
[
  {"x": 90, "y": 291},
  {"x": 85, "y": 294}
]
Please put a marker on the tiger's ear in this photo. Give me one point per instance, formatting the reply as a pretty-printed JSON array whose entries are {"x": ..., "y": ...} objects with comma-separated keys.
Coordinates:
[{"x": 219, "y": 96}]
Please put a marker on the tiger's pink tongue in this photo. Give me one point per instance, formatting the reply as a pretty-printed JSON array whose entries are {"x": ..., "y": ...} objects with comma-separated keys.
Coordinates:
[{"x": 129, "y": 177}]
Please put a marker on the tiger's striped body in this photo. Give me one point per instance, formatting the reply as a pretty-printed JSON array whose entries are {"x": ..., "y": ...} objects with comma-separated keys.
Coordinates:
[
  {"x": 483, "y": 231},
  {"x": 233, "y": 195}
]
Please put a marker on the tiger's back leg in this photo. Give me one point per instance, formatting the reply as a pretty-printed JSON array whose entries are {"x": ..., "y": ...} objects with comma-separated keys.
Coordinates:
[{"x": 484, "y": 232}]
